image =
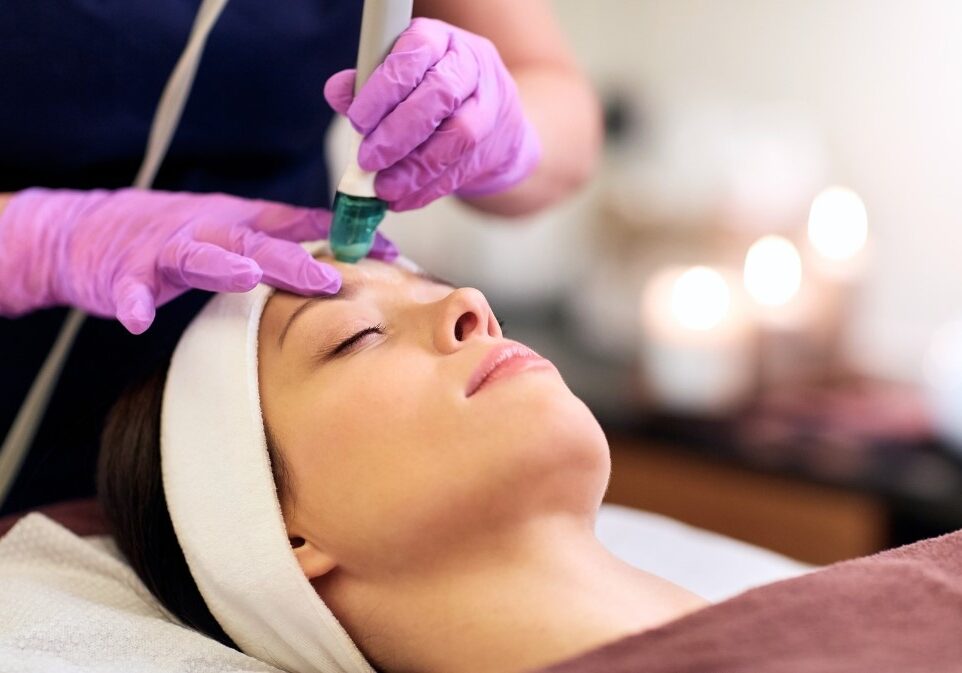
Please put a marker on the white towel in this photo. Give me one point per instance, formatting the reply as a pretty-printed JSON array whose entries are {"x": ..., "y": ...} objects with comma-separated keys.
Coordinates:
[{"x": 70, "y": 605}]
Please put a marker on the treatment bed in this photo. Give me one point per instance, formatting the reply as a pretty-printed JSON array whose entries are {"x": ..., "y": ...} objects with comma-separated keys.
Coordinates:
[{"x": 69, "y": 603}]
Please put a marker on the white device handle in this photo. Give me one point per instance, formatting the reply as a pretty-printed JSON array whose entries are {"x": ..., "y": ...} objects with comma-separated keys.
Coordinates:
[{"x": 381, "y": 24}]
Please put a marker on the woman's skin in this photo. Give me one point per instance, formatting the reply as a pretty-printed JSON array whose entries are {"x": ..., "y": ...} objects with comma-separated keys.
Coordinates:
[{"x": 447, "y": 532}]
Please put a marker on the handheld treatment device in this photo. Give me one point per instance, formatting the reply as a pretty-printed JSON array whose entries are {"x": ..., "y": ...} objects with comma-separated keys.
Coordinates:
[{"x": 357, "y": 210}]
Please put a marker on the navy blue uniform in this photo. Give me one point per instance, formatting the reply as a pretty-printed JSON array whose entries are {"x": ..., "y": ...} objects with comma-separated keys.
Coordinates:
[{"x": 79, "y": 82}]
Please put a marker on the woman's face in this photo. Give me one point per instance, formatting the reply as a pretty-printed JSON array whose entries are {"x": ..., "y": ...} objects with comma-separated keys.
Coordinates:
[{"x": 396, "y": 454}]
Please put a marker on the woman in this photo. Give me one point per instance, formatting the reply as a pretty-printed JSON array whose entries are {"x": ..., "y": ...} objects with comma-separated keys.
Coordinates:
[
  {"x": 480, "y": 119},
  {"x": 438, "y": 482}
]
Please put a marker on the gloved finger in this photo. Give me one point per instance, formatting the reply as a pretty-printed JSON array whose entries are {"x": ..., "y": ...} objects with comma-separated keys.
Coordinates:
[
  {"x": 135, "y": 305},
  {"x": 445, "y": 86},
  {"x": 452, "y": 143},
  {"x": 526, "y": 153},
  {"x": 339, "y": 90},
  {"x": 280, "y": 220},
  {"x": 446, "y": 183},
  {"x": 457, "y": 180},
  {"x": 293, "y": 223},
  {"x": 418, "y": 48},
  {"x": 383, "y": 249},
  {"x": 288, "y": 266},
  {"x": 420, "y": 168},
  {"x": 205, "y": 266}
]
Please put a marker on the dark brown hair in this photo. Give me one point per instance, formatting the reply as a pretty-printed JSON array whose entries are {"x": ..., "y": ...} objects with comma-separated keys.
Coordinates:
[{"x": 131, "y": 494}]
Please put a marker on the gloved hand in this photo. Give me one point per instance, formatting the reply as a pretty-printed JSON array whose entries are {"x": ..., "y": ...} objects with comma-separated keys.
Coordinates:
[
  {"x": 123, "y": 253},
  {"x": 441, "y": 114}
]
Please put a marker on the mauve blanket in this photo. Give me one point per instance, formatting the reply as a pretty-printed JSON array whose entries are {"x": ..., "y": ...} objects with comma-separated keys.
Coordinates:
[
  {"x": 899, "y": 611},
  {"x": 81, "y": 517}
]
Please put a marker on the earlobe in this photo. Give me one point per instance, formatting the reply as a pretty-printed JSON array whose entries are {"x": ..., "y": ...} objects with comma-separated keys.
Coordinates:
[{"x": 313, "y": 561}]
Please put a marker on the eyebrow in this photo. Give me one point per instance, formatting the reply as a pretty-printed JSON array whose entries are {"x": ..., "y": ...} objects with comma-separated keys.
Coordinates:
[{"x": 345, "y": 292}]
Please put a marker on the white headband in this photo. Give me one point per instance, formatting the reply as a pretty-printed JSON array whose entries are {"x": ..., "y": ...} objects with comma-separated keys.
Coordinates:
[{"x": 222, "y": 499}]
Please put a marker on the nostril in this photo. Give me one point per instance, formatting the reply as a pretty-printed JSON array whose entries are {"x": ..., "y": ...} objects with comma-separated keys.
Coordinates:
[{"x": 465, "y": 325}]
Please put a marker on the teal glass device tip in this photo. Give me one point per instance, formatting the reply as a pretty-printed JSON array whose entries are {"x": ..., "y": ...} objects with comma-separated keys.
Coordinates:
[{"x": 353, "y": 225}]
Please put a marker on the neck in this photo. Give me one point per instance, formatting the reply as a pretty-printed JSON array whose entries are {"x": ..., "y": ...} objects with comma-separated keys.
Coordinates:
[{"x": 547, "y": 594}]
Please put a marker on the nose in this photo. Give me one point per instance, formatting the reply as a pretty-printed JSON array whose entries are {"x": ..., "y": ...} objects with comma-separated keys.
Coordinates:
[{"x": 465, "y": 316}]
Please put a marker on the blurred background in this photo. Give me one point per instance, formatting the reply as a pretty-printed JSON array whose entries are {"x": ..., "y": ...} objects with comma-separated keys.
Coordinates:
[{"x": 758, "y": 294}]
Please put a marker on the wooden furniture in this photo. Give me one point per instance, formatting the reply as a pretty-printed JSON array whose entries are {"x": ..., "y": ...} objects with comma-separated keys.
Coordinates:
[{"x": 809, "y": 522}]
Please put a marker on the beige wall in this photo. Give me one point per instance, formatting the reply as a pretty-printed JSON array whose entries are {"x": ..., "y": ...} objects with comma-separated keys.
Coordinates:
[{"x": 880, "y": 80}]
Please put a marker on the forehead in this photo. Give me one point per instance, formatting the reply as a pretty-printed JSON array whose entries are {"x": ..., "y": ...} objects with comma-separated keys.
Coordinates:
[
  {"x": 371, "y": 275},
  {"x": 371, "y": 270}
]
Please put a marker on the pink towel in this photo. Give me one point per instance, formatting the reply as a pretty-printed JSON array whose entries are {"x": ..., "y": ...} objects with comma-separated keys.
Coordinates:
[{"x": 895, "y": 612}]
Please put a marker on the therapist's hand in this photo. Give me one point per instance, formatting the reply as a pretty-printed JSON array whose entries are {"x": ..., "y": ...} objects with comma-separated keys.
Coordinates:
[
  {"x": 123, "y": 253},
  {"x": 440, "y": 115}
]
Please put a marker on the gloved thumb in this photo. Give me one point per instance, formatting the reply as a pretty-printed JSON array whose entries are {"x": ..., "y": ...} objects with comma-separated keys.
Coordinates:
[
  {"x": 339, "y": 90},
  {"x": 135, "y": 306},
  {"x": 383, "y": 249}
]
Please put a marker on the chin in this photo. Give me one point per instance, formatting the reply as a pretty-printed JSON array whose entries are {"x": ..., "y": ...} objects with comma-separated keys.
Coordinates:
[
  {"x": 541, "y": 402},
  {"x": 556, "y": 437}
]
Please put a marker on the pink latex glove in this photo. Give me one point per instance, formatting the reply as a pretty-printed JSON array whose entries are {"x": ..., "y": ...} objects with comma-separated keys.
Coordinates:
[
  {"x": 123, "y": 253},
  {"x": 440, "y": 115}
]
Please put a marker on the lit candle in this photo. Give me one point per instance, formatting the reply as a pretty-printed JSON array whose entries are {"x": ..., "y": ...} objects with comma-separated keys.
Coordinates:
[
  {"x": 696, "y": 352},
  {"x": 773, "y": 273},
  {"x": 942, "y": 378},
  {"x": 838, "y": 232},
  {"x": 838, "y": 251},
  {"x": 773, "y": 277},
  {"x": 784, "y": 309}
]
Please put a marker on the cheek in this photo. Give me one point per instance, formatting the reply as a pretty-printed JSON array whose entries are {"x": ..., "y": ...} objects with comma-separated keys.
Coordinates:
[
  {"x": 359, "y": 445},
  {"x": 540, "y": 441},
  {"x": 385, "y": 399},
  {"x": 536, "y": 413},
  {"x": 393, "y": 456}
]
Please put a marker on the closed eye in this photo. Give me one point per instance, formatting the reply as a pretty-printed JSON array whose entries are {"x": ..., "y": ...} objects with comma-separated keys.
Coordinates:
[{"x": 350, "y": 342}]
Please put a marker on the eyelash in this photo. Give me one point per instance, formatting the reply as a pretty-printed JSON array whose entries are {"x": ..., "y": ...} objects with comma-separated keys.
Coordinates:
[
  {"x": 357, "y": 336},
  {"x": 353, "y": 339}
]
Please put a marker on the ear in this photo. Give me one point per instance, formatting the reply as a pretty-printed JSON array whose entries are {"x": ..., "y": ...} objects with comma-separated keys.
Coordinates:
[{"x": 314, "y": 561}]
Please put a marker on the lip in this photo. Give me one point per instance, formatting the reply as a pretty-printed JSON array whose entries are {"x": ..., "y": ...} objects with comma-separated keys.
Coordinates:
[{"x": 507, "y": 358}]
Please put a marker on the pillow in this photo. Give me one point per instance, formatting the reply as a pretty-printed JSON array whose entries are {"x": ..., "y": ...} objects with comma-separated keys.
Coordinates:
[{"x": 713, "y": 566}]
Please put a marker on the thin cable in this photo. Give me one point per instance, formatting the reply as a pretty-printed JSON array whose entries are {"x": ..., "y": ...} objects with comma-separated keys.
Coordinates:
[
  {"x": 172, "y": 101},
  {"x": 166, "y": 118}
]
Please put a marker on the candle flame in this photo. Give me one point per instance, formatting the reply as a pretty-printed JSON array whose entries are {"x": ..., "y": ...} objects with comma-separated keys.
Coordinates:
[
  {"x": 700, "y": 299},
  {"x": 773, "y": 271},
  {"x": 838, "y": 224}
]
